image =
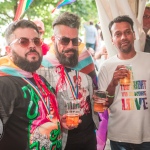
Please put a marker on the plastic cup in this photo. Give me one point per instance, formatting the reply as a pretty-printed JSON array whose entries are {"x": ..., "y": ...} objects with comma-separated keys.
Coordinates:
[
  {"x": 72, "y": 112},
  {"x": 99, "y": 98},
  {"x": 127, "y": 80}
]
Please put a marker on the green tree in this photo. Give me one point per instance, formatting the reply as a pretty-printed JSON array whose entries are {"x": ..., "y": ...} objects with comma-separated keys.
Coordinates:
[{"x": 42, "y": 9}]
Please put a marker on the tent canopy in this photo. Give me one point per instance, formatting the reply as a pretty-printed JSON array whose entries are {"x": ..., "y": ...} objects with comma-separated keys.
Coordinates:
[{"x": 109, "y": 9}]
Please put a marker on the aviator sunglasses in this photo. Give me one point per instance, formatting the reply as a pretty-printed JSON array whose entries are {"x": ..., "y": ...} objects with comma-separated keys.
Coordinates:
[
  {"x": 65, "y": 41},
  {"x": 24, "y": 42}
]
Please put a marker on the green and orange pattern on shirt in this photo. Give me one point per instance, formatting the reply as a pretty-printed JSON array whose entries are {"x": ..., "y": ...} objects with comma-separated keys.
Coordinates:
[{"x": 28, "y": 110}]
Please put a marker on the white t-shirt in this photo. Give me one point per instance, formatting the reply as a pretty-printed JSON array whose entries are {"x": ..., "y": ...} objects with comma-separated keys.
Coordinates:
[{"x": 129, "y": 119}]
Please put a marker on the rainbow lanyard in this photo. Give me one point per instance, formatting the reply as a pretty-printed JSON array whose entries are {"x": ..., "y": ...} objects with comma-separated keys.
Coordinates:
[
  {"x": 45, "y": 102},
  {"x": 73, "y": 90}
]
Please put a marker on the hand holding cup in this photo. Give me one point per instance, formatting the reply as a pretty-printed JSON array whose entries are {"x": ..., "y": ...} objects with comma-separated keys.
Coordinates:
[
  {"x": 72, "y": 113},
  {"x": 127, "y": 79},
  {"x": 100, "y": 98}
]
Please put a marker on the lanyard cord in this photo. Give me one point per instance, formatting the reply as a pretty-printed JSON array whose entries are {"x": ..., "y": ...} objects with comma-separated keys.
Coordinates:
[
  {"x": 45, "y": 94},
  {"x": 73, "y": 90},
  {"x": 38, "y": 92}
]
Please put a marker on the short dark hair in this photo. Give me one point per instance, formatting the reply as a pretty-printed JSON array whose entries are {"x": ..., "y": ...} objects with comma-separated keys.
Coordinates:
[
  {"x": 148, "y": 8},
  {"x": 91, "y": 23},
  {"x": 68, "y": 19},
  {"x": 19, "y": 24},
  {"x": 119, "y": 19}
]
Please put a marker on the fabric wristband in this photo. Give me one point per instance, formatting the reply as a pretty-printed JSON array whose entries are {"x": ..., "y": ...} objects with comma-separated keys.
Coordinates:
[{"x": 110, "y": 96}]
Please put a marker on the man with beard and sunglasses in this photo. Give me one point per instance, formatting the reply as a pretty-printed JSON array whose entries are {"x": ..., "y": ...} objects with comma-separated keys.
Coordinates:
[
  {"x": 28, "y": 107},
  {"x": 65, "y": 78},
  {"x": 129, "y": 101}
]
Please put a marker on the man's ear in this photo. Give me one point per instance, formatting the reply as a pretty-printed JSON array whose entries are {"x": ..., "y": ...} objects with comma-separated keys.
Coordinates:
[
  {"x": 112, "y": 41},
  {"x": 134, "y": 36},
  {"x": 53, "y": 38},
  {"x": 8, "y": 50}
]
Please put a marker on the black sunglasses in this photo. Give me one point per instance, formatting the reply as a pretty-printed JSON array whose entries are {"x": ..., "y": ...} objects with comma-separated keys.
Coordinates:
[
  {"x": 65, "y": 41},
  {"x": 24, "y": 42}
]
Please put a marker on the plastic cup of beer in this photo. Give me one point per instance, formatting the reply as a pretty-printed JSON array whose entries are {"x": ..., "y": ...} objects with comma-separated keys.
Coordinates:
[
  {"x": 72, "y": 112},
  {"x": 99, "y": 98},
  {"x": 127, "y": 80}
]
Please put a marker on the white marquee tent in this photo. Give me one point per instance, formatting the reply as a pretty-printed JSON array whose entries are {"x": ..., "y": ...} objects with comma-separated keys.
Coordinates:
[{"x": 109, "y": 9}]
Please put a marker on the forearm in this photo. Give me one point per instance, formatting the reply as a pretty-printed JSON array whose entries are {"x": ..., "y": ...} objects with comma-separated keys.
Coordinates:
[
  {"x": 111, "y": 92},
  {"x": 97, "y": 55}
]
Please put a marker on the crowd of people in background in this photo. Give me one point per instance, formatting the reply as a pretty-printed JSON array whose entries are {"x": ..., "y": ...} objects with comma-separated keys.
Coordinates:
[{"x": 38, "y": 79}]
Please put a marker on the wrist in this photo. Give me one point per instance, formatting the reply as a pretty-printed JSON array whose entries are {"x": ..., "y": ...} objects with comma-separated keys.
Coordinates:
[{"x": 110, "y": 95}]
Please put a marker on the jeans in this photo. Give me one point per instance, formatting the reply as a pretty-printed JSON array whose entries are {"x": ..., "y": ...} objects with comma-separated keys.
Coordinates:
[{"x": 129, "y": 146}]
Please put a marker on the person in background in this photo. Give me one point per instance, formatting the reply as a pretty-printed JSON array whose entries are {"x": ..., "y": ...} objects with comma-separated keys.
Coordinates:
[
  {"x": 129, "y": 102},
  {"x": 29, "y": 117},
  {"x": 101, "y": 54},
  {"x": 99, "y": 31},
  {"x": 69, "y": 83},
  {"x": 146, "y": 27},
  {"x": 41, "y": 28},
  {"x": 91, "y": 37}
]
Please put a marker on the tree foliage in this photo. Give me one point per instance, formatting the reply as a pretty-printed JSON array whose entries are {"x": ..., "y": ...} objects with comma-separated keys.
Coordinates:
[{"x": 42, "y": 9}]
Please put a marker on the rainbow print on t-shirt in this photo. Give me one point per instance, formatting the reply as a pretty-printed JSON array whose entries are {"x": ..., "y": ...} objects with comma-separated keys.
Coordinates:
[{"x": 134, "y": 96}]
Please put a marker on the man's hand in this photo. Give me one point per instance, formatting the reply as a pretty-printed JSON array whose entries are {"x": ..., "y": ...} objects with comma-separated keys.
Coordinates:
[
  {"x": 120, "y": 73},
  {"x": 64, "y": 125}
]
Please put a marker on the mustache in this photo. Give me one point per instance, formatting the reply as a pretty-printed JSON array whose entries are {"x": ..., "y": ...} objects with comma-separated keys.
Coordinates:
[
  {"x": 69, "y": 50},
  {"x": 122, "y": 41},
  {"x": 31, "y": 51}
]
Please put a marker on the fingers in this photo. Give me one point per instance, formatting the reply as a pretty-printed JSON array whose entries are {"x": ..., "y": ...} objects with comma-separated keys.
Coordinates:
[
  {"x": 106, "y": 104},
  {"x": 95, "y": 97},
  {"x": 68, "y": 127},
  {"x": 120, "y": 73},
  {"x": 71, "y": 127},
  {"x": 120, "y": 67}
]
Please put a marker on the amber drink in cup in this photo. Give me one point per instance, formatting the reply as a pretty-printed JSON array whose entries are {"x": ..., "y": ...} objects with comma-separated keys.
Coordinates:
[
  {"x": 127, "y": 80},
  {"x": 100, "y": 97},
  {"x": 72, "y": 112}
]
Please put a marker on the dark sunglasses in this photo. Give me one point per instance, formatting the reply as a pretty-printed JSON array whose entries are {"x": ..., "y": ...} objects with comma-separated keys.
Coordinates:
[
  {"x": 24, "y": 42},
  {"x": 65, "y": 41}
]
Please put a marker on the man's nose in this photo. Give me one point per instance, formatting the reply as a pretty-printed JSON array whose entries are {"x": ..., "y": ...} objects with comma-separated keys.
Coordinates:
[
  {"x": 70, "y": 44},
  {"x": 31, "y": 43},
  {"x": 123, "y": 36}
]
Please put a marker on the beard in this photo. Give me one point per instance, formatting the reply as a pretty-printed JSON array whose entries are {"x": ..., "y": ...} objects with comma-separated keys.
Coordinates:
[
  {"x": 127, "y": 50},
  {"x": 24, "y": 64},
  {"x": 65, "y": 61}
]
